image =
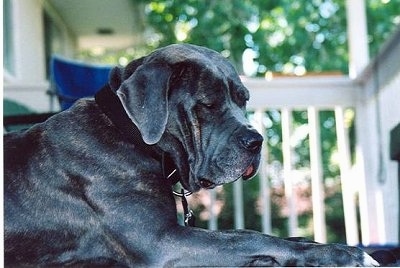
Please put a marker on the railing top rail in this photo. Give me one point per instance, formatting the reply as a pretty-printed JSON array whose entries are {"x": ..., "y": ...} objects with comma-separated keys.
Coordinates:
[{"x": 301, "y": 92}]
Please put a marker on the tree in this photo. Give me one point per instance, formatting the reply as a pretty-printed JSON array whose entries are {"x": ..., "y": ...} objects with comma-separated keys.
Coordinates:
[{"x": 287, "y": 36}]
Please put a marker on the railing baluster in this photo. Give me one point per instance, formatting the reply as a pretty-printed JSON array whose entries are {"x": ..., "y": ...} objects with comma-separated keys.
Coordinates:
[
  {"x": 349, "y": 206},
  {"x": 213, "y": 221},
  {"x": 238, "y": 204},
  {"x": 287, "y": 171},
  {"x": 316, "y": 176},
  {"x": 265, "y": 195}
]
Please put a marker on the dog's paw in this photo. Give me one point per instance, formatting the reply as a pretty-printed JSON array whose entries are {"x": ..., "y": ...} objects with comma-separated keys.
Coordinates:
[
  {"x": 369, "y": 261},
  {"x": 333, "y": 255}
]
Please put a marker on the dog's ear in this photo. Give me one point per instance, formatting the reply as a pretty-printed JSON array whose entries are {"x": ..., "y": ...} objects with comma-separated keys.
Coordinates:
[
  {"x": 144, "y": 97},
  {"x": 115, "y": 78},
  {"x": 119, "y": 74}
]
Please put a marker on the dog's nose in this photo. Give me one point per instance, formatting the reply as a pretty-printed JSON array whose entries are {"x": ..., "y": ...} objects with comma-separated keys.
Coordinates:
[{"x": 251, "y": 140}]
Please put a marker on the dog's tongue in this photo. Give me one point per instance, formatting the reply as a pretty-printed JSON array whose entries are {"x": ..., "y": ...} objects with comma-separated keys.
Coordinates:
[{"x": 248, "y": 172}]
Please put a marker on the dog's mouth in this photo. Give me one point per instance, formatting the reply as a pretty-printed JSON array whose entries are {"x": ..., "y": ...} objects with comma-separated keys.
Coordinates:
[
  {"x": 249, "y": 172},
  {"x": 246, "y": 175}
]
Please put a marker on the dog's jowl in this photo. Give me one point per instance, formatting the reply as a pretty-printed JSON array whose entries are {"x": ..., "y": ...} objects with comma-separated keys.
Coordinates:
[{"x": 91, "y": 185}]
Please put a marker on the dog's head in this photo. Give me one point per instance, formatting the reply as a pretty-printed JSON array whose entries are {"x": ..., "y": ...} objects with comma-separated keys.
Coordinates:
[{"x": 190, "y": 101}]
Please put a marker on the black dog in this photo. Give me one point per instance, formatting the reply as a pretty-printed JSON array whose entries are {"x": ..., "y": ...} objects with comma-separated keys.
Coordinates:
[{"x": 92, "y": 185}]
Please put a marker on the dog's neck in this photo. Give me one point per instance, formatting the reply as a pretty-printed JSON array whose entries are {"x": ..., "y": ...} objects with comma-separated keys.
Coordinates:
[{"x": 111, "y": 106}]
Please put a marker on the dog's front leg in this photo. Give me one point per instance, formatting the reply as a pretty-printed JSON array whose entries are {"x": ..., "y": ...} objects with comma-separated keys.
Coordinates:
[
  {"x": 187, "y": 246},
  {"x": 184, "y": 246}
]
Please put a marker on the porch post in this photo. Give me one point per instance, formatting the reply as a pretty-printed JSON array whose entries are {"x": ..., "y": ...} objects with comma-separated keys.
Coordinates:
[
  {"x": 28, "y": 42},
  {"x": 395, "y": 155},
  {"x": 357, "y": 35},
  {"x": 358, "y": 60}
]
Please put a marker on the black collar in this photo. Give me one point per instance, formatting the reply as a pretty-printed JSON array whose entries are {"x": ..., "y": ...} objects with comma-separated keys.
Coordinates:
[{"x": 111, "y": 105}]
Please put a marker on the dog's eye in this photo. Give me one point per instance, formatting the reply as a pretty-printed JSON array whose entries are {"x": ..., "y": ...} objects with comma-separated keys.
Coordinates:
[
  {"x": 239, "y": 93},
  {"x": 209, "y": 105},
  {"x": 208, "y": 102},
  {"x": 241, "y": 98}
]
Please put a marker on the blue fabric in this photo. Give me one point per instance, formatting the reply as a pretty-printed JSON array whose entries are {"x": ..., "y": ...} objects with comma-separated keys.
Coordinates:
[{"x": 73, "y": 80}]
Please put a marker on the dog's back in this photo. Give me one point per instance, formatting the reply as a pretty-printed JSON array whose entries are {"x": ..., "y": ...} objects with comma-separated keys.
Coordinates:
[
  {"x": 41, "y": 213},
  {"x": 57, "y": 178}
]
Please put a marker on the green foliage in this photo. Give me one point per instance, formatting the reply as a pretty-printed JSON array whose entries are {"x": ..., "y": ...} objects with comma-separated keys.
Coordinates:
[
  {"x": 214, "y": 24},
  {"x": 286, "y": 36},
  {"x": 382, "y": 18}
]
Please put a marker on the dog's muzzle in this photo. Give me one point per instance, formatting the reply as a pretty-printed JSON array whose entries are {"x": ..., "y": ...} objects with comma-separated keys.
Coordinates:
[{"x": 251, "y": 141}]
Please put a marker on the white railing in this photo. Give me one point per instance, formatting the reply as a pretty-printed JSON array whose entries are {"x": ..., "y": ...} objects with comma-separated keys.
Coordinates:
[
  {"x": 374, "y": 96},
  {"x": 313, "y": 94},
  {"x": 372, "y": 184}
]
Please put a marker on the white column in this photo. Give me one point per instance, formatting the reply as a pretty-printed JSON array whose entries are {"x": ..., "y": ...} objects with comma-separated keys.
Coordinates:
[
  {"x": 357, "y": 36},
  {"x": 28, "y": 41},
  {"x": 368, "y": 171}
]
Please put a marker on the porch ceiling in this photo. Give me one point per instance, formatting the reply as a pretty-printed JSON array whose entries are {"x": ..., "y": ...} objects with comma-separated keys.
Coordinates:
[{"x": 120, "y": 20}]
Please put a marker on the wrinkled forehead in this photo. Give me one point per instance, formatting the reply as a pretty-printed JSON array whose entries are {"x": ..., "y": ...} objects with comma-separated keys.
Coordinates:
[
  {"x": 223, "y": 79},
  {"x": 178, "y": 53},
  {"x": 216, "y": 68},
  {"x": 215, "y": 82}
]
